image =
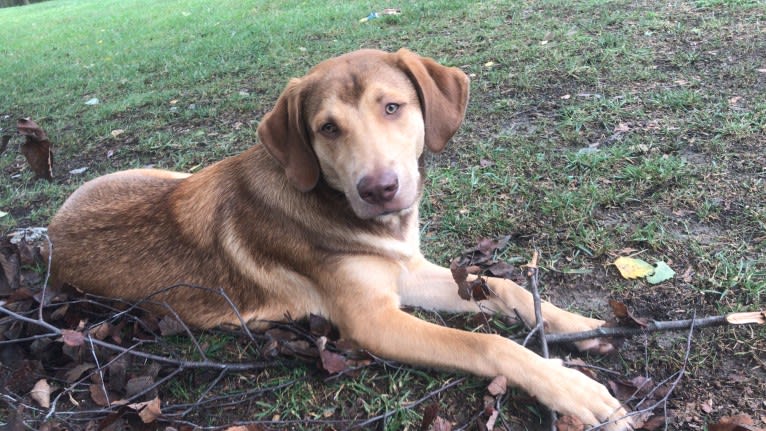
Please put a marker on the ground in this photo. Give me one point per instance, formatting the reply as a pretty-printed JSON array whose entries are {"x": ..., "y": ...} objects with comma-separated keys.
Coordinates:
[{"x": 595, "y": 130}]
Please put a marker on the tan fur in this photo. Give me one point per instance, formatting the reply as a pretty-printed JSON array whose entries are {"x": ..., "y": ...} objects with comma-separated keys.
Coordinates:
[{"x": 290, "y": 227}]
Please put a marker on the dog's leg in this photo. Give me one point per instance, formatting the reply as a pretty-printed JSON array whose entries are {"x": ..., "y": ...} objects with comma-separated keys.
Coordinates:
[
  {"x": 430, "y": 286},
  {"x": 366, "y": 309}
]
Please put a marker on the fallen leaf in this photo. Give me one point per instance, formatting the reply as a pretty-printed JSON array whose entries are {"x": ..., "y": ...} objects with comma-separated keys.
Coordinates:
[
  {"x": 569, "y": 423},
  {"x": 332, "y": 362},
  {"x": 740, "y": 422},
  {"x": 492, "y": 419},
  {"x": 41, "y": 393},
  {"x": 429, "y": 416},
  {"x": 622, "y": 128},
  {"x": 138, "y": 384},
  {"x": 662, "y": 272},
  {"x": 10, "y": 267},
  {"x": 624, "y": 315},
  {"x": 148, "y": 411},
  {"x": 734, "y": 100},
  {"x": 707, "y": 406},
  {"x": 98, "y": 395},
  {"x": 654, "y": 422},
  {"x": 498, "y": 386},
  {"x": 501, "y": 270},
  {"x": 488, "y": 245},
  {"x": 76, "y": 372},
  {"x": 100, "y": 331},
  {"x": 36, "y": 149},
  {"x": 631, "y": 267},
  {"x": 169, "y": 325},
  {"x": 117, "y": 132},
  {"x": 625, "y": 390},
  {"x": 72, "y": 338},
  {"x": 441, "y": 424}
]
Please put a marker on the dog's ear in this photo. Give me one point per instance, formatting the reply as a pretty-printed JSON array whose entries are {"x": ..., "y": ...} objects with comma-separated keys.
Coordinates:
[
  {"x": 443, "y": 93},
  {"x": 284, "y": 135}
]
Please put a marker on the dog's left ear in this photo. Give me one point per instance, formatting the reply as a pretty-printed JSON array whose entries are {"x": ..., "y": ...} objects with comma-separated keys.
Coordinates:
[
  {"x": 443, "y": 93},
  {"x": 284, "y": 135}
]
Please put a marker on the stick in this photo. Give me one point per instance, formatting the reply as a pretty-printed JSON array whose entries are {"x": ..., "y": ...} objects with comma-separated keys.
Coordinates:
[
  {"x": 756, "y": 317},
  {"x": 531, "y": 274}
]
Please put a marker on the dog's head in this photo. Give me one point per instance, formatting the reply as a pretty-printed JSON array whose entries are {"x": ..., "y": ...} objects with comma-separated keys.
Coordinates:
[{"x": 361, "y": 122}]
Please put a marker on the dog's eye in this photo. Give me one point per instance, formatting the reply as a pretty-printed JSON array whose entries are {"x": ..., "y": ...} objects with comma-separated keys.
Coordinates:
[
  {"x": 329, "y": 129},
  {"x": 392, "y": 108}
]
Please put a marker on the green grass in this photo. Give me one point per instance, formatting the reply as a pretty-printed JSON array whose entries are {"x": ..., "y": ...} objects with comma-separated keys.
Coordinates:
[{"x": 595, "y": 129}]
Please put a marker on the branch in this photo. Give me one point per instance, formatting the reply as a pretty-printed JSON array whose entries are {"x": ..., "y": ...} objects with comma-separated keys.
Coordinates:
[
  {"x": 54, "y": 331},
  {"x": 756, "y": 317},
  {"x": 531, "y": 274}
]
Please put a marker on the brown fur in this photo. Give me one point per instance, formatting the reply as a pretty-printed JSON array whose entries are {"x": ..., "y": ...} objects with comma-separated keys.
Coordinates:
[{"x": 286, "y": 228}]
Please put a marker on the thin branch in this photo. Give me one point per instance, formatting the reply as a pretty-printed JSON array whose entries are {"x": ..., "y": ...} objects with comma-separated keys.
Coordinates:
[
  {"x": 655, "y": 326},
  {"x": 531, "y": 273},
  {"x": 185, "y": 364}
]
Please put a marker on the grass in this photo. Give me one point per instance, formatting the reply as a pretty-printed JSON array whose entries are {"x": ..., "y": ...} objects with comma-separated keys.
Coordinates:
[{"x": 595, "y": 128}]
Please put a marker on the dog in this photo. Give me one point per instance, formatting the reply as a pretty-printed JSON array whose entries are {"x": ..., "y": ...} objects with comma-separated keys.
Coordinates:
[{"x": 321, "y": 217}]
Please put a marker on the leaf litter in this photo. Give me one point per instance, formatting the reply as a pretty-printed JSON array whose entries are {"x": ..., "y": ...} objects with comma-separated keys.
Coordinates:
[{"x": 117, "y": 380}]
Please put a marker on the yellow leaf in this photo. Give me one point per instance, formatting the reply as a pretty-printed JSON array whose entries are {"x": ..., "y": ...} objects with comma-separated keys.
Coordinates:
[{"x": 630, "y": 267}]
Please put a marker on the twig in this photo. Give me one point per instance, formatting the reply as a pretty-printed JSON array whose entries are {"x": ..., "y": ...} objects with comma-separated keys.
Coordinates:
[
  {"x": 54, "y": 331},
  {"x": 539, "y": 328},
  {"x": 531, "y": 274},
  {"x": 655, "y": 326}
]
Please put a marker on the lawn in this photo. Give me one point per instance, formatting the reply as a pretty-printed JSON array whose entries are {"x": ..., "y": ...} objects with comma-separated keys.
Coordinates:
[{"x": 595, "y": 129}]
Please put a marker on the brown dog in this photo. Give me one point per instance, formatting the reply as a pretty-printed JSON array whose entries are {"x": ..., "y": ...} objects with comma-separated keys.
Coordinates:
[{"x": 321, "y": 218}]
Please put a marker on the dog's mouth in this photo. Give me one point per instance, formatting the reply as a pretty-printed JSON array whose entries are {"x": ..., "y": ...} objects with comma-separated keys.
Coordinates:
[{"x": 367, "y": 211}]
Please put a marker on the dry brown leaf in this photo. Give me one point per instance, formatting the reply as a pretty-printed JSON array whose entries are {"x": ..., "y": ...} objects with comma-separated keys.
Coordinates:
[
  {"x": 148, "y": 411},
  {"x": 138, "y": 384},
  {"x": 98, "y": 395},
  {"x": 441, "y": 424},
  {"x": 74, "y": 374},
  {"x": 741, "y": 422},
  {"x": 10, "y": 267},
  {"x": 72, "y": 338},
  {"x": 569, "y": 423},
  {"x": 36, "y": 149},
  {"x": 492, "y": 419},
  {"x": 169, "y": 325},
  {"x": 101, "y": 331},
  {"x": 41, "y": 393},
  {"x": 624, "y": 315},
  {"x": 332, "y": 362},
  {"x": 498, "y": 386}
]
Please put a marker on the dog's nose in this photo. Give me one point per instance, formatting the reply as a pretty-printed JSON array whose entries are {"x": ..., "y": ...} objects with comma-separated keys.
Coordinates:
[{"x": 379, "y": 188}]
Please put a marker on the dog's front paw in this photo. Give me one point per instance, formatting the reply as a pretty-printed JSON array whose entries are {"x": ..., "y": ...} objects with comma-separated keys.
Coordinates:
[
  {"x": 577, "y": 323},
  {"x": 572, "y": 393}
]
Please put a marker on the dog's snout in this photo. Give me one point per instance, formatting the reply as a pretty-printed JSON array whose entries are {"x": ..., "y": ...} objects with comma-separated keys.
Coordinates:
[{"x": 379, "y": 188}]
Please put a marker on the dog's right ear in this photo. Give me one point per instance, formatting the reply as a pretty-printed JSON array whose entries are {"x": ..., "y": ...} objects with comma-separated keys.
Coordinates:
[{"x": 284, "y": 135}]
